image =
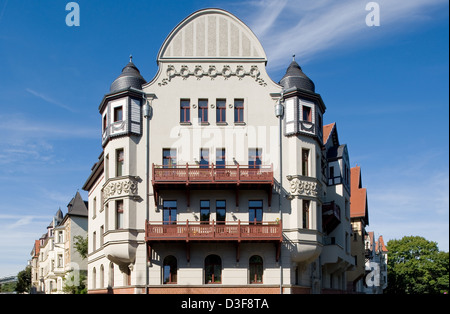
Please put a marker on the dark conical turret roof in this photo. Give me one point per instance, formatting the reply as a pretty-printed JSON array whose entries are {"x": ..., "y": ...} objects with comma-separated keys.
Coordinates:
[
  {"x": 295, "y": 78},
  {"x": 130, "y": 77}
]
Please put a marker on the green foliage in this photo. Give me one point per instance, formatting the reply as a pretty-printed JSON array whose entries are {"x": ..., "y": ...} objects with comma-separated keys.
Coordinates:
[
  {"x": 81, "y": 245},
  {"x": 416, "y": 266},
  {"x": 24, "y": 280},
  {"x": 75, "y": 283}
]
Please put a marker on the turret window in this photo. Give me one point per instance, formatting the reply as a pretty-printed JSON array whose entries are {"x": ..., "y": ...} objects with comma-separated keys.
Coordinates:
[
  {"x": 307, "y": 114},
  {"x": 118, "y": 114},
  {"x": 120, "y": 160},
  {"x": 305, "y": 162}
]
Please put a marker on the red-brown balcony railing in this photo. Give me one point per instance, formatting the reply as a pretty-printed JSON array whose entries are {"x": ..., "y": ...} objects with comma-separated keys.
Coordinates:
[
  {"x": 213, "y": 174},
  {"x": 214, "y": 231}
]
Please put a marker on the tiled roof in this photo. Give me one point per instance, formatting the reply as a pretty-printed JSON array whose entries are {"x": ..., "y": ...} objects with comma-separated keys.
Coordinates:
[
  {"x": 358, "y": 197},
  {"x": 327, "y": 131}
]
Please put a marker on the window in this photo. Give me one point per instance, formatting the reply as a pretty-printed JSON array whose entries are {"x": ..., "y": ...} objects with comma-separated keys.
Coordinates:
[
  {"x": 102, "y": 235},
  {"x": 94, "y": 241},
  {"x": 221, "y": 210},
  {"x": 220, "y": 158},
  {"x": 213, "y": 269},
  {"x": 119, "y": 214},
  {"x": 170, "y": 270},
  {"x": 204, "y": 157},
  {"x": 254, "y": 158},
  {"x": 119, "y": 162},
  {"x": 204, "y": 211},
  {"x": 305, "y": 222},
  {"x": 221, "y": 111},
  {"x": 255, "y": 211},
  {"x": 169, "y": 212},
  {"x": 104, "y": 123},
  {"x": 169, "y": 157},
  {"x": 238, "y": 110},
  {"x": 185, "y": 110},
  {"x": 256, "y": 269},
  {"x": 307, "y": 114},
  {"x": 60, "y": 260},
  {"x": 111, "y": 275},
  {"x": 118, "y": 114},
  {"x": 102, "y": 277},
  {"x": 203, "y": 110},
  {"x": 60, "y": 237},
  {"x": 305, "y": 162}
]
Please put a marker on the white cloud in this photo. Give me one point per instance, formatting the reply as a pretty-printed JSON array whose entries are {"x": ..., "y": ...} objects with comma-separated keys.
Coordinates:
[
  {"x": 49, "y": 99},
  {"x": 306, "y": 28}
]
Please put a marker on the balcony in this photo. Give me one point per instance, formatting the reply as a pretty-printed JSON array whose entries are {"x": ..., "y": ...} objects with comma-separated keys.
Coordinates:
[
  {"x": 331, "y": 216},
  {"x": 189, "y": 177},
  {"x": 212, "y": 231}
]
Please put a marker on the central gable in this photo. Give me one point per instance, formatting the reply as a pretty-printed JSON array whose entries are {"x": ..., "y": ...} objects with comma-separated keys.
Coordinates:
[{"x": 211, "y": 34}]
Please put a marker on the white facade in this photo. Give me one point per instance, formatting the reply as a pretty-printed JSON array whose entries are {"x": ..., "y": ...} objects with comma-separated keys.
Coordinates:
[{"x": 210, "y": 108}]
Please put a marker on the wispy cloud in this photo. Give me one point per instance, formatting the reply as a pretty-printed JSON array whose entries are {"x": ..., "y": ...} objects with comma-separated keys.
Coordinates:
[
  {"x": 311, "y": 27},
  {"x": 49, "y": 99}
]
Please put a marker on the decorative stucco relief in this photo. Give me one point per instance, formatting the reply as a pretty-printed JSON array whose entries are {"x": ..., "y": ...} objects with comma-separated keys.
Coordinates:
[
  {"x": 303, "y": 186},
  {"x": 212, "y": 72},
  {"x": 121, "y": 187}
]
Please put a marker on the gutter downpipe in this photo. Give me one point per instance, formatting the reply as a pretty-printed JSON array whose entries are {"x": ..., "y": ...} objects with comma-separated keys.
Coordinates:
[
  {"x": 279, "y": 111},
  {"x": 146, "y": 114}
]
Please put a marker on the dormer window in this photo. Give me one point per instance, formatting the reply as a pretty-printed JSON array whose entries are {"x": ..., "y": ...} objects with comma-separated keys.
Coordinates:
[{"x": 118, "y": 114}]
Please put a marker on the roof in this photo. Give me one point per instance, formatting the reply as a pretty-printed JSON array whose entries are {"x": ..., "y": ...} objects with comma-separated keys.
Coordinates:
[
  {"x": 380, "y": 247},
  {"x": 295, "y": 78},
  {"x": 327, "y": 131},
  {"x": 77, "y": 207},
  {"x": 358, "y": 196},
  {"x": 130, "y": 77}
]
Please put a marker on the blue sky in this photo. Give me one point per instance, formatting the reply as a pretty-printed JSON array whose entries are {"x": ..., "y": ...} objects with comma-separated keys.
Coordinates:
[{"x": 386, "y": 87}]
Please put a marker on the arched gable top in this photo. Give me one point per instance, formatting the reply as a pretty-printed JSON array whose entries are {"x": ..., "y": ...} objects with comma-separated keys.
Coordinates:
[{"x": 211, "y": 34}]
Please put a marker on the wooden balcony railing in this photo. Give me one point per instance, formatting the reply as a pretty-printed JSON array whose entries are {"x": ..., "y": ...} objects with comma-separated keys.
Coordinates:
[
  {"x": 213, "y": 231},
  {"x": 213, "y": 174}
]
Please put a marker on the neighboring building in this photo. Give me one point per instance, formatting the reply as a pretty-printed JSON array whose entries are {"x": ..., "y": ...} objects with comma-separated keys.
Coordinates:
[
  {"x": 336, "y": 256},
  {"x": 190, "y": 195},
  {"x": 376, "y": 264},
  {"x": 359, "y": 213},
  {"x": 53, "y": 256}
]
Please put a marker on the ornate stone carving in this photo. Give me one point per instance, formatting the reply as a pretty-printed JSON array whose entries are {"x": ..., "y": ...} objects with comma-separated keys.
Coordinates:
[
  {"x": 303, "y": 186},
  {"x": 226, "y": 72},
  {"x": 120, "y": 187}
]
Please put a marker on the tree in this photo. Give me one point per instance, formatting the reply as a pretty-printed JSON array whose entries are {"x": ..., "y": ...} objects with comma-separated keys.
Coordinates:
[
  {"x": 81, "y": 245},
  {"x": 24, "y": 280},
  {"x": 416, "y": 266}
]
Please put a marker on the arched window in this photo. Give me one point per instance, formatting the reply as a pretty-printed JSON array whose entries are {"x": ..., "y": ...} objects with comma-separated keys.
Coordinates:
[
  {"x": 111, "y": 275},
  {"x": 213, "y": 269},
  {"x": 94, "y": 278},
  {"x": 256, "y": 269},
  {"x": 170, "y": 270},
  {"x": 102, "y": 277}
]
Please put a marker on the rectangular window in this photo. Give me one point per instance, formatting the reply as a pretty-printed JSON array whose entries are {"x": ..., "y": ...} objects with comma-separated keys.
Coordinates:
[
  {"x": 221, "y": 110},
  {"x": 254, "y": 158},
  {"x": 221, "y": 211},
  {"x": 119, "y": 214},
  {"x": 102, "y": 236},
  {"x": 220, "y": 158},
  {"x": 203, "y": 110},
  {"x": 119, "y": 162},
  {"x": 104, "y": 123},
  {"x": 204, "y": 157},
  {"x": 238, "y": 110},
  {"x": 305, "y": 162},
  {"x": 118, "y": 114},
  {"x": 306, "y": 214},
  {"x": 204, "y": 211},
  {"x": 255, "y": 211},
  {"x": 169, "y": 212},
  {"x": 169, "y": 157},
  {"x": 185, "y": 110},
  {"x": 307, "y": 114}
]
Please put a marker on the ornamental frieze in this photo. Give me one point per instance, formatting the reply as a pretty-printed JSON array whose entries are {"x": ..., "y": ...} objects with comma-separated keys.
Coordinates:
[
  {"x": 303, "y": 186},
  {"x": 212, "y": 72},
  {"x": 120, "y": 187}
]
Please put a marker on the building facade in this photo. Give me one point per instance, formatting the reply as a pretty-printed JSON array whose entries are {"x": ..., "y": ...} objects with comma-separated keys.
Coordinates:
[
  {"x": 54, "y": 260},
  {"x": 214, "y": 178}
]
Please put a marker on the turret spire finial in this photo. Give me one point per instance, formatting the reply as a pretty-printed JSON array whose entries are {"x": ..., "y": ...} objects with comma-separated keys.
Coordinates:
[{"x": 131, "y": 58}]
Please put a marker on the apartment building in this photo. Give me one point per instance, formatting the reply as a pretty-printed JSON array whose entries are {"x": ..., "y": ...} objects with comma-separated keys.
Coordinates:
[
  {"x": 54, "y": 259},
  {"x": 214, "y": 178}
]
